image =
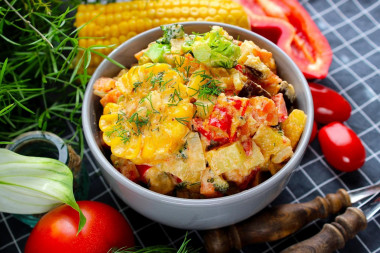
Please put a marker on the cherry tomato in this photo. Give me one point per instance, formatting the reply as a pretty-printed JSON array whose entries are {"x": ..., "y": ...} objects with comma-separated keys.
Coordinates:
[
  {"x": 329, "y": 106},
  {"x": 313, "y": 132},
  {"x": 342, "y": 147},
  {"x": 56, "y": 231}
]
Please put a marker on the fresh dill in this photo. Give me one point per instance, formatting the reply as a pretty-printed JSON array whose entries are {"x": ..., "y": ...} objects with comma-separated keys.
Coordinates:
[
  {"x": 138, "y": 121},
  {"x": 157, "y": 79},
  {"x": 184, "y": 248},
  {"x": 163, "y": 85},
  {"x": 149, "y": 77},
  {"x": 43, "y": 73},
  {"x": 179, "y": 63},
  {"x": 149, "y": 99},
  {"x": 122, "y": 131},
  {"x": 175, "y": 98},
  {"x": 208, "y": 89},
  {"x": 137, "y": 85},
  {"x": 203, "y": 106},
  {"x": 187, "y": 71},
  {"x": 184, "y": 120}
]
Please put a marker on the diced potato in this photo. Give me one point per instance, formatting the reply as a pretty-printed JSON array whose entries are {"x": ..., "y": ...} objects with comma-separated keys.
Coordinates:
[
  {"x": 246, "y": 48},
  {"x": 126, "y": 167},
  {"x": 159, "y": 181},
  {"x": 255, "y": 63},
  {"x": 271, "y": 142},
  {"x": 227, "y": 158},
  {"x": 282, "y": 155},
  {"x": 176, "y": 45},
  {"x": 204, "y": 108},
  {"x": 212, "y": 185},
  {"x": 196, "y": 157},
  {"x": 254, "y": 160},
  {"x": 189, "y": 162},
  {"x": 275, "y": 167},
  {"x": 294, "y": 125}
]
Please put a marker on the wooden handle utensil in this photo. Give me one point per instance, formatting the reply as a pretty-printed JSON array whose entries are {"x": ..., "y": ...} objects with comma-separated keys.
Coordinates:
[
  {"x": 274, "y": 223},
  {"x": 333, "y": 235}
]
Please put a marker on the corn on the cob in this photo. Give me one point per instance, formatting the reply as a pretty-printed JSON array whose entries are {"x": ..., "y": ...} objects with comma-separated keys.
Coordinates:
[{"x": 115, "y": 23}]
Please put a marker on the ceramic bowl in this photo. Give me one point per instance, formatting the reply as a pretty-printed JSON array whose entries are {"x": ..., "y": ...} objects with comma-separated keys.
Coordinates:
[{"x": 194, "y": 213}]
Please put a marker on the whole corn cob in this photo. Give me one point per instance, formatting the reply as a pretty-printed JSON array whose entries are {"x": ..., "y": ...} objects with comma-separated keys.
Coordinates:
[{"x": 114, "y": 23}]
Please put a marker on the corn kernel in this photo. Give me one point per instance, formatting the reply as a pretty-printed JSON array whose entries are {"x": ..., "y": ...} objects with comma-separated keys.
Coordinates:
[
  {"x": 214, "y": 4},
  {"x": 160, "y": 12},
  {"x": 114, "y": 41},
  {"x": 148, "y": 23},
  {"x": 211, "y": 11},
  {"x": 114, "y": 30},
  {"x": 118, "y": 17},
  {"x": 83, "y": 43},
  {"x": 132, "y": 23},
  {"x": 151, "y": 13},
  {"x": 122, "y": 38},
  {"x": 140, "y": 26},
  {"x": 123, "y": 27},
  {"x": 165, "y": 21},
  {"x": 122, "y": 21},
  {"x": 194, "y": 11},
  {"x": 156, "y": 22},
  {"x": 185, "y": 11},
  {"x": 173, "y": 20},
  {"x": 107, "y": 31},
  {"x": 131, "y": 34},
  {"x": 109, "y": 8},
  {"x": 126, "y": 6}
]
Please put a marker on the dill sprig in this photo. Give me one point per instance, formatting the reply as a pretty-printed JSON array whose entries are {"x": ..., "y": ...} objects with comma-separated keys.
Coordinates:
[
  {"x": 184, "y": 248},
  {"x": 208, "y": 89},
  {"x": 184, "y": 120},
  {"x": 43, "y": 73}
]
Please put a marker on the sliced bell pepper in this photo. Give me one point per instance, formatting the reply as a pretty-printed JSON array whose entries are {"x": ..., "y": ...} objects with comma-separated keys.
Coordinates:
[{"x": 289, "y": 25}]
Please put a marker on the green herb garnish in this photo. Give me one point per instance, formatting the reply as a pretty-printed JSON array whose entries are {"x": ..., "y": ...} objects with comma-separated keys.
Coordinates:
[{"x": 43, "y": 69}]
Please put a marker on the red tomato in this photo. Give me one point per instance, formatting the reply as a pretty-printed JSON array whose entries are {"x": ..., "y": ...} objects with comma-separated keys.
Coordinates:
[
  {"x": 342, "y": 147},
  {"x": 329, "y": 106},
  {"x": 56, "y": 231},
  {"x": 313, "y": 132}
]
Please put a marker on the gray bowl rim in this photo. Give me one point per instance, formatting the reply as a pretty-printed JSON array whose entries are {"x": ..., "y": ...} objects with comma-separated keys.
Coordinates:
[{"x": 225, "y": 200}]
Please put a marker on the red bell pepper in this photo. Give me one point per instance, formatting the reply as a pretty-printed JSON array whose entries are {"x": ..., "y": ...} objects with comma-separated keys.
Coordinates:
[{"x": 288, "y": 24}]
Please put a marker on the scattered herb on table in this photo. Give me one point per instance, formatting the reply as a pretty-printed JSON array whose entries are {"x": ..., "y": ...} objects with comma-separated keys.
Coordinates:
[{"x": 184, "y": 248}]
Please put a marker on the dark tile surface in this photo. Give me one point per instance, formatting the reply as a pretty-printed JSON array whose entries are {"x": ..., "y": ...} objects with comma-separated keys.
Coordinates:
[{"x": 353, "y": 31}]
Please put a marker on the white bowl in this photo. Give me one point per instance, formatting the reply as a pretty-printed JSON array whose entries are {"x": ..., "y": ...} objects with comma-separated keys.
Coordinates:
[{"x": 194, "y": 213}]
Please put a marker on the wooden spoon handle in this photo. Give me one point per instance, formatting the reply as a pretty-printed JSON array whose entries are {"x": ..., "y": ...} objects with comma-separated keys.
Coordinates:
[
  {"x": 274, "y": 223},
  {"x": 333, "y": 236}
]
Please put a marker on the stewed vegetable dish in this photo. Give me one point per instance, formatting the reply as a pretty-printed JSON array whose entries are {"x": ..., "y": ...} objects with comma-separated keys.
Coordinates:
[{"x": 199, "y": 115}]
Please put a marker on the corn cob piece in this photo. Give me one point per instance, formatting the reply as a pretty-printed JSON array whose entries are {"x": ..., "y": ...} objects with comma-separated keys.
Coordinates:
[{"x": 114, "y": 23}]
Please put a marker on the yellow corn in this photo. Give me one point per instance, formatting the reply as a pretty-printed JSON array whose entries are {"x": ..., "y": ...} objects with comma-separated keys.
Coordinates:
[{"x": 114, "y": 23}]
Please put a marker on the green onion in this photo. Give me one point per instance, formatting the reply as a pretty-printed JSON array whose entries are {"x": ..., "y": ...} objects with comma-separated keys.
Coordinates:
[{"x": 31, "y": 185}]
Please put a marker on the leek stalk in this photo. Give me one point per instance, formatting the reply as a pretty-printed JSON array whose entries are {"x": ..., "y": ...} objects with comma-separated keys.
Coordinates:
[{"x": 31, "y": 185}]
